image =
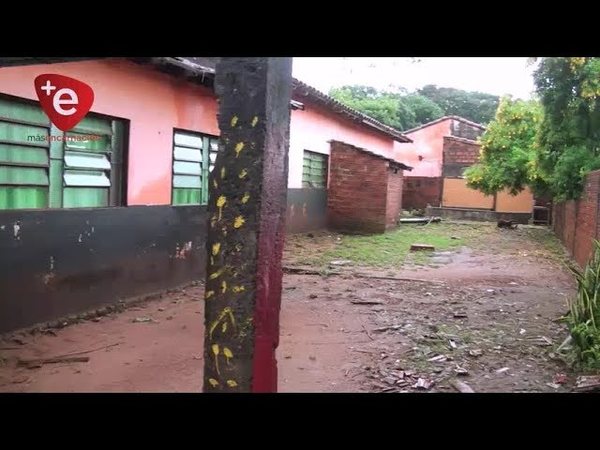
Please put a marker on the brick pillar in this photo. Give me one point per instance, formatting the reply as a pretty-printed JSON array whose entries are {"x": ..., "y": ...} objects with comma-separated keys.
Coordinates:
[{"x": 247, "y": 204}]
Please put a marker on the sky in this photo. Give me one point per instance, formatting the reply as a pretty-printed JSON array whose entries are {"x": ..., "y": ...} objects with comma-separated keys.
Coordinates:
[{"x": 497, "y": 76}]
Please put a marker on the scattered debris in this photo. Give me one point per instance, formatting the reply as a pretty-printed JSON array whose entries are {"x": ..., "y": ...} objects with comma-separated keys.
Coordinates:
[
  {"x": 439, "y": 358},
  {"x": 288, "y": 356},
  {"x": 313, "y": 296},
  {"x": 504, "y": 369},
  {"x": 560, "y": 378},
  {"x": 421, "y": 247},
  {"x": 452, "y": 344},
  {"x": 588, "y": 383},
  {"x": 522, "y": 331},
  {"x": 142, "y": 320},
  {"x": 475, "y": 353},
  {"x": 454, "y": 237},
  {"x": 553, "y": 385},
  {"x": 459, "y": 315},
  {"x": 566, "y": 343},
  {"x": 461, "y": 386},
  {"x": 461, "y": 371},
  {"x": 161, "y": 309},
  {"x": 490, "y": 291},
  {"x": 340, "y": 262},
  {"x": 422, "y": 383},
  {"x": 312, "y": 358},
  {"x": 18, "y": 341}
]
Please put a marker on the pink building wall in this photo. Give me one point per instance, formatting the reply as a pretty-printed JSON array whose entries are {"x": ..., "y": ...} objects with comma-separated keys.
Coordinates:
[
  {"x": 427, "y": 142},
  {"x": 154, "y": 102},
  {"x": 313, "y": 128}
]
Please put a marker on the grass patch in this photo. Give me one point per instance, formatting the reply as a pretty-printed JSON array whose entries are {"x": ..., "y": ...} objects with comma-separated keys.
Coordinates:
[{"x": 392, "y": 248}]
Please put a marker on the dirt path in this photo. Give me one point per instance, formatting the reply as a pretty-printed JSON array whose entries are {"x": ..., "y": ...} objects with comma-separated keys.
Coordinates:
[{"x": 484, "y": 314}]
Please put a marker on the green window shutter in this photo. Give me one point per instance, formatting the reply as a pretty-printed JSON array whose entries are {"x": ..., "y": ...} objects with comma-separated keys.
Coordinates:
[
  {"x": 24, "y": 159},
  {"x": 192, "y": 161},
  {"x": 314, "y": 170}
]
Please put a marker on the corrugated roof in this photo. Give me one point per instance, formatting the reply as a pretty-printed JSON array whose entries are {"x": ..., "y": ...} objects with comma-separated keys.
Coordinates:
[
  {"x": 364, "y": 150},
  {"x": 441, "y": 119}
]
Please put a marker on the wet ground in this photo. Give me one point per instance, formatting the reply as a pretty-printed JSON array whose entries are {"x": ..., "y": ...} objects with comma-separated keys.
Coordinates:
[{"x": 483, "y": 314}]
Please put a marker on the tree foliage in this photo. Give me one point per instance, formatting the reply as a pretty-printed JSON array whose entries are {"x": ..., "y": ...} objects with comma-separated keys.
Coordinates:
[
  {"x": 508, "y": 150},
  {"x": 569, "y": 134},
  {"x": 475, "y": 106},
  {"x": 396, "y": 109}
]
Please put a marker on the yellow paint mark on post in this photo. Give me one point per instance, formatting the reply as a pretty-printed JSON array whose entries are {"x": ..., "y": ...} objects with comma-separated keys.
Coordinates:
[
  {"x": 237, "y": 289},
  {"x": 234, "y": 120},
  {"x": 215, "y": 383},
  {"x": 231, "y": 383},
  {"x": 220, "y": 204},
  {"x": 215, "y": 350},
  {"x": 254, "y": 121},
  {"x": 215, "y": 248},
  {"x": 209, "y": 294},
  {"x": 223, "y": 171},
  {"x": 242, "y": 174},
  {"x": 245, "y": 198},
  {"x": 216, "y": 274},
  {"x": 224, "y": 327},
  {"x": 238, "y": 148},
  {"x": 238, "y": 222},
  {"x": 223, "y": 286},
  {"x": 227, "y": 311},
  {"x": 228, "y": 354}
]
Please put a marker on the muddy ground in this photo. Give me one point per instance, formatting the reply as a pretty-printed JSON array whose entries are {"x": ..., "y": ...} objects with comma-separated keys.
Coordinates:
[{"x": 483, "y": 312}]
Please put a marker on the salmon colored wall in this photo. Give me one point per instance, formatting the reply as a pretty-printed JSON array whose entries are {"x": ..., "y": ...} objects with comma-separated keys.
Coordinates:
[
  {"x": 154, "y": 102},
  {"x": 521, "y": 203},
  {"x": 313, "y": 128},
  {"x": 456, "y": 194},
  {"x": 427, "y": 142}
]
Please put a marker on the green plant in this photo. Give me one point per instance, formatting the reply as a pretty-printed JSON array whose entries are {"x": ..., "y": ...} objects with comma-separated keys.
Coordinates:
[{"x": 584, "y": 317}]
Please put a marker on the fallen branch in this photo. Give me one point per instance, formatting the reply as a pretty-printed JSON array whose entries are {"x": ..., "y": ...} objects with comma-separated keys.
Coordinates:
[
  {"x": 367, "y": 331},
  {"x": 587, "y": 383},
  {"x": 305, "y": 271},
  {"x": 392, "y": 327},
  {"x": 89, "y": 351},
  {"x": 366, "y": 302},
  {"x": 33, "y": 363}
]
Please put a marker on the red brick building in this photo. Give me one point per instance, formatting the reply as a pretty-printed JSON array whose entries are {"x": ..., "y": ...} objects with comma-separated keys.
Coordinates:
[{"x": 365, "y": 190}]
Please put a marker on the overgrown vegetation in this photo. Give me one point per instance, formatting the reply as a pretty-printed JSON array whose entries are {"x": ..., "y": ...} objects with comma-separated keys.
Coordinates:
[
  {"x": 584, "y": 317},
  {"x": 508, "y": 150},
  {"x": 403, "y": 110}
]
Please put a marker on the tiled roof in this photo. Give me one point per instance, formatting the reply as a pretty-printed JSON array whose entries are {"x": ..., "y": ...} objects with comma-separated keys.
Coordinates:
[
  {"x": 364, "y": 150},
  {"x": 441, "y": 119},
  {"x": 203, "y": 69}
]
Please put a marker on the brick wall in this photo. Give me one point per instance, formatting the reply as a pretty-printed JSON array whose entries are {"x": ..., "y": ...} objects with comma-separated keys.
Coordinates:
[
  {"x": 418, "y": 192},
  {"x": 464, "y": 130},
  {"x": 458, "y": 153},
  {"x": 358, "y": 182},
  {"x": 577, "y": 222},
  {"x": 394, "y": 197}
]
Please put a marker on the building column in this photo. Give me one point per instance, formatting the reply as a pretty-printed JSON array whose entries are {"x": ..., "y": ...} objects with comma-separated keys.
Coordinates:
[{"x": 246, "y": 211}]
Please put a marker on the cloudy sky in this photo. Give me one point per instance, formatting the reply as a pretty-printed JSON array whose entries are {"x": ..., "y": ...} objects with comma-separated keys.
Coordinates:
[{"x": 492, "y": 75}]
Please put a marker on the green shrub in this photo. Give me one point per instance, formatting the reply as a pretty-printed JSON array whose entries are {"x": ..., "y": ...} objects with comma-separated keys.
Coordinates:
[{"x": 584, "y": 317}]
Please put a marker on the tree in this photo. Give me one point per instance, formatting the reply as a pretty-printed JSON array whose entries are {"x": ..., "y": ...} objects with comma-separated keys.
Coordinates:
[
  {"x": 395, "y": 109},
  {"x": 569, "y": 134},
  {"x": 508, "y": 150},
  {"x": 476, "y": 106},
  {"x": 424, "y": 109}
]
